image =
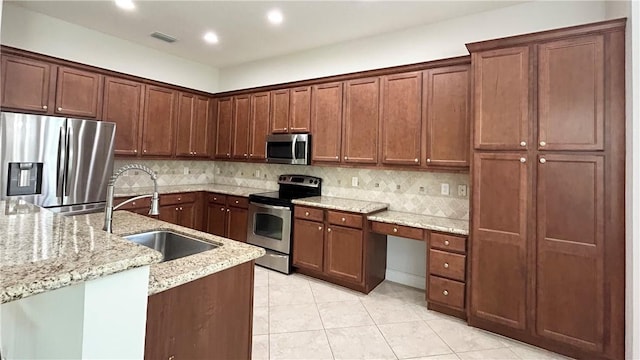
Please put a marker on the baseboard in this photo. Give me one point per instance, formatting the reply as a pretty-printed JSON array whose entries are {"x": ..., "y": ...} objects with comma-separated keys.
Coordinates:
[{"x": 406, "y": 279}]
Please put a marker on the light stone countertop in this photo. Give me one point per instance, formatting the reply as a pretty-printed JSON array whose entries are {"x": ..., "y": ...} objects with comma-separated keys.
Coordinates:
[
  {"x": 334, "y": 203},
  {"x": 41, "y": 251},
  {"x": 166, "y": 275},
  {"x": 460, "y": 227},
  {"x": 170, "y": 189}
]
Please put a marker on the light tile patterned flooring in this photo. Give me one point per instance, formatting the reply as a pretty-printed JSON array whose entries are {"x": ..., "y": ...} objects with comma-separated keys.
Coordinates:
[{"x": 298, "y": 317}]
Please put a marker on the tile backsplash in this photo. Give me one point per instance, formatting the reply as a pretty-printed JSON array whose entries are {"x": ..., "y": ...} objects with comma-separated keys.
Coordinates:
[{"x": 410, "y": 191}]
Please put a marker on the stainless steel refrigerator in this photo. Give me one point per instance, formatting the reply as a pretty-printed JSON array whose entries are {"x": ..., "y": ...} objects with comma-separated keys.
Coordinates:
[{"x": 59, "y": 163}]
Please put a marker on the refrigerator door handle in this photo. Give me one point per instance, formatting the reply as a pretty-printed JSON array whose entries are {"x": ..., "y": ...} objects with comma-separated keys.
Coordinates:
[
  {"x": 62, "y": 159},
  {"x": 69, "y": 161}
]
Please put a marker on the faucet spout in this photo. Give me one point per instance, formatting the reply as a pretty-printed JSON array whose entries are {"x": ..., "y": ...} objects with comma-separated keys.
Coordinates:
[{"x": 155, "y": 198}]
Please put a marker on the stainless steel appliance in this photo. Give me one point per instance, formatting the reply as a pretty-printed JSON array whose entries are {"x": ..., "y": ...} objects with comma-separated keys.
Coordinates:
[
  {"x": 289, "y": 149},
  {"x": 270, "y": 219},
  {"x": 59, "y": 163}
]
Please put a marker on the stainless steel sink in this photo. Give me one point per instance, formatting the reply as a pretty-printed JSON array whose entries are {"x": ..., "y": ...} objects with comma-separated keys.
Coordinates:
[{"x": 171, "y": 245}]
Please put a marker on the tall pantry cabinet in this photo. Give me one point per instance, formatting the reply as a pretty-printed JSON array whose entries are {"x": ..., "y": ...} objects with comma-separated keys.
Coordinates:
[{"x": 547, "y": 249}]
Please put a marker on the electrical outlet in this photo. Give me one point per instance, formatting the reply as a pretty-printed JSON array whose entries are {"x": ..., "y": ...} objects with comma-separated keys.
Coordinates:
[
  {"x": 217, "y": 171},
  {"x": 354, "y": 181},
  {"x": 444, "y": 189},
  {"x": 185, "y": 171},
  {"x": 257, "y": 173},
  {"x": 462, "y": 190}
]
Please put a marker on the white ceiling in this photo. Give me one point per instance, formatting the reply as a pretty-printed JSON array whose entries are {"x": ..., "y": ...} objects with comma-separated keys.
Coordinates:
[{"x": 242, "y": 27}]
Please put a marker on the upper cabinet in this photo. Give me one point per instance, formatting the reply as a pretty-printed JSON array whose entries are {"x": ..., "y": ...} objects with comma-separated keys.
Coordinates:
[
  {"x": 123, "y": 105},
  {"x": 326, "y": 122},
  {"x": 158, "y": 129},
  {"x": 259, "y": 125},
  {"x": 571, "y": 94},
  {"x": 501, "y": 99},
  {"x": 401, "y": 120},
  {"x": 200, "y": 128},
  {"x": 240, "y": 128},
  {"x": 78, "y": 93},
  {"x": 300, "y": 114},
  {"x": 192, "y": 125},
  {"x": 361, "y": 116},
  {"x": 224, "y": 120},
  {"x": 446, "y": 116},
  {"x": 25, "y": 84},
  {"x": 280, "y": 111}
]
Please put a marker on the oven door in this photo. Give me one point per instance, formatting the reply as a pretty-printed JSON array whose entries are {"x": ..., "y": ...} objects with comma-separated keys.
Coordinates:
[{"x": 270, "y": 227}]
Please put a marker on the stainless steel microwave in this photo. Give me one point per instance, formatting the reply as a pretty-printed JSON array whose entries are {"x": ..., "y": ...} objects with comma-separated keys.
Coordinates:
[{"x": 289, "y": 149}]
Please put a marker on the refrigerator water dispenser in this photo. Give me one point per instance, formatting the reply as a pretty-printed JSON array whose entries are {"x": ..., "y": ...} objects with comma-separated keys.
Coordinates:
[{"x": 25, "y": 178}]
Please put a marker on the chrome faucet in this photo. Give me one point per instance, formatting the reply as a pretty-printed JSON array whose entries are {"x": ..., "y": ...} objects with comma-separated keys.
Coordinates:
[{"x": 108, "y": 211}]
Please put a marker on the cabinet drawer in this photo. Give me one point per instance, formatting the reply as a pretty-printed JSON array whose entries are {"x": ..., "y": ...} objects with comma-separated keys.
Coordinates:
[
  {"x": 397, "y": 230},
  {"x": 344, "y": 219},
  {"x": 447, "y": 264},
  {"x": 446, "y": 292},
  {"x": 217, "y": 199},
  {"x": 238, "y": 201},
  {"x": 448, "y": 242},
  {"x": 168, "y": 199},
  {"x": 137, "y": 204},
  {"x": 307, "y": 213}
]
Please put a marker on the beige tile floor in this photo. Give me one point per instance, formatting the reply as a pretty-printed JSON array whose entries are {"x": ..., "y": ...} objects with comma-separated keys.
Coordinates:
[{"x": 298, "y": 317}]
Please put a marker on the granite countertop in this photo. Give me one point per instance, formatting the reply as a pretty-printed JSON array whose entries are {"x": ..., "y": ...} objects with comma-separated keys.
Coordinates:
[
  {"x": 170, "y": 189},
  {"x": 42, "y": 251},
  {"x": 460, "y": 227},
  {"x": 334, "y": 203},
  {"x": 166, "y": 275}
]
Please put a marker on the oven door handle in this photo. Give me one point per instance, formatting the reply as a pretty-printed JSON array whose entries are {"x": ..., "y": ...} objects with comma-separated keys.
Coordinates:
[{"x": 274, "y": 207}]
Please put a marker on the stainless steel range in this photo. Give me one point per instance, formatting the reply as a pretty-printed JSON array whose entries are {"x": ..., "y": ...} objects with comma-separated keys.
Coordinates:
[{"x": 270, "y": 219}]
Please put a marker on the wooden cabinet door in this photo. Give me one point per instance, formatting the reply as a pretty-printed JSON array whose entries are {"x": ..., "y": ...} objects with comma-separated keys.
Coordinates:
[
  {"x": 326, "y": 122},
  {"x": 300, "y": 114},
  {"x": 308, "y": 244},
  {"x": 361, "y": 115},
  {"x": 170, "y": 214},
  {"x": 25, "y": 84},
  {"x": 401, "y": 119},
  {"x": 159, "y": 121},
  {"x": 216, "y": 219},
  {"x": 200, "y": 127},
  {"x": 499, "y": 233},
  {"x": 186, "y": 107},
  {"x": 501, "y": 99},
  {"x": 241, "y": 118},
  {"x": 343, "y": 253},
  {"x": 187, "y": 215},
  {"x": 224, "y": 121},
  {"x": 123, "y": 105},
  {"x": 280, "y": 111},
  {"x": 446, "y": 114},
  {"x": 570, "y": 250},
  {"x": 260, "y": 105},
  {"x": 78, "y": 93},
  {"x": 237, "y": 224},
  {"x": 571, "y": 94}
]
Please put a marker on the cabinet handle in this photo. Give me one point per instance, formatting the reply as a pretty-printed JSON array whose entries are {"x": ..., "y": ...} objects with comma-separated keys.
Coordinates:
[
  {"x": 523, "y": 143},
  {"x": 343, "y": 219},
  {"x": 446, "y": 265},
  {"x": 319, "y": 227},
  {"x": 306, "y": 213},
  {"x": 328, "y": 229},
  {"x": 415, "y": 160},
  {"x": 446, "y": 243},
  {"x": 542, "y": 143},
  {"x": 59, "y": 109},
  {"x": 543, "y": 160},
  {"x": 428, "y": 160},
  {"x": 523, "y": 160},
  {"x": 445, "y": 293},
  {"x": 44, "y": 107},
  {"x": 395, "y": 230}
]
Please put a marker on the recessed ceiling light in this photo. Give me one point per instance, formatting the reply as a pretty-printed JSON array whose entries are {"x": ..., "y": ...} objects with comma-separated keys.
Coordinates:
[
  {"x": 275, "y": 17},
  {"x": 126, "y": 4},
  {"x": 211, "y": 37}
]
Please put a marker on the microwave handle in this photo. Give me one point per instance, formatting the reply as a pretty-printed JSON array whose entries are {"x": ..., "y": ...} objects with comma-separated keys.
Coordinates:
[{"x": 293, "y": 147}]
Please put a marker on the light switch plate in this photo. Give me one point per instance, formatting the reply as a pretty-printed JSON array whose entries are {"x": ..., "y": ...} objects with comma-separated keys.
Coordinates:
[
  {"x": 444, "y": 189},
  {"x": 186, "y": 171},
  {"x": 257, "y": 173},
  {"x": 354, "y": 181}
]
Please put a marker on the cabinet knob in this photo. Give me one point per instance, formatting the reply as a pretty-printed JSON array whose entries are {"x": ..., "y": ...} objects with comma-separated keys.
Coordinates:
[
  {"x": 523, "y": 143},
  {"x": 523, "y": 160},
  {"x": 446, "y": 243},
  {"x": 328, "y": 229},
  {"x": 228, "y": 154},
  {"x": 337, "y": 157},
  {"x": 542, "y": 143},
  {"x": 445, "y": 293},
  {"x": 179, "y": 199},
  {"x": 245, "y": 155},
  {"x": 428, "y": 160},
  {"x": 172, "y": 357},
  {"x": 180, "y": 208},
  {"x": 59, "y": 109},
  {"x": 237, "y": 202},
  {"x": 543, "y": 160},
  {"x": 133, "y": 203},
  {"x": 195, "y": 153},
  {"x": 227, "y": 210},
  {"x": 446, "y": 265},
  {"x": 215, "y": 199},
  {"x": 306, "y": 213},
  {"x": 319, "y": 227},
  {"x": 144, "y": 151},
  {"x": 395, "y": 230},
  {"x": 346, "y": 158},
  {"x": 44, "y": 107},
  {"x": 285, "y": 129},
  {"x": 135, "y": 151},
  {"x": 221, "y": 209},
  {"x": 250, "y": 154},
  {"x": 415, "y": 160},
  {"x": 176, "y": 209},
  {"x": 343, "y": 219}
]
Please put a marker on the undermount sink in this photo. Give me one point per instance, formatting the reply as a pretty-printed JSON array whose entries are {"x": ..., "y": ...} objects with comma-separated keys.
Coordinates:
[{"x": 171, "y": 245}]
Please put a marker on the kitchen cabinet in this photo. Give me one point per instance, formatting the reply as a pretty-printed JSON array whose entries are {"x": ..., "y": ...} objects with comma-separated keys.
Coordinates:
[
  {"x": 192, "y": 125},
  {"x": 501, "y": 98},
  {"x": 259, "y": 125},
  {"x": 240, "y": 127},
  {"x": 401, "y": 119},
  {"x": 300, "y": 113},
  {"x": 446, "y": 110},
  {"x": 446, "y": 273},
  {"x": 25, "y": 84},
  {"x": 78, "y": 93},
  {"x": 361, "y": 117},
  {"x": 224, "y": 125},
  {"x": 309, "y": 244},
  {"x": 184, "y": 209},
  {"x": 158, "y": 130},
  {"x": 227, "y": 216},
  {"x": 326, "y": 122},
  {"x": 123, "y": 105},
  {"x": 344, "y": 253},
  {"x": 208, "y": 318},
  {"x": 280, "y": 111},
  {"x": 237, "y": 219},
  {"x": 141, "y": 206}
]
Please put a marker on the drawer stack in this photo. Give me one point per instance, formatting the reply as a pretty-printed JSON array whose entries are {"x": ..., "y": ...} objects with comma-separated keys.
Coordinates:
[{"x": 446, "y": 273}]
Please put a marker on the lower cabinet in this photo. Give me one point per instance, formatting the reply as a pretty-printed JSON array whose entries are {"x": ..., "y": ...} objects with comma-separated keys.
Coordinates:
[
  {"x": 209, "y": 318},
  {"x": 184, "y": 209},
  {"x": 227, "y": 216},
  {"x": 446, "y": 273},
  {"x": 337, "y": 247}
]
